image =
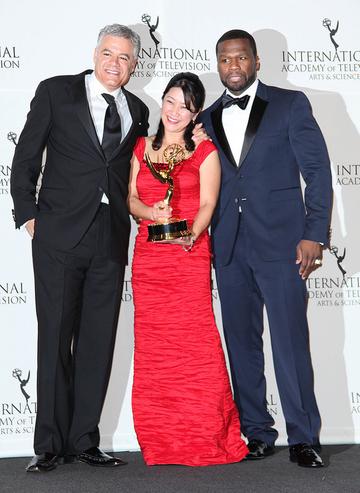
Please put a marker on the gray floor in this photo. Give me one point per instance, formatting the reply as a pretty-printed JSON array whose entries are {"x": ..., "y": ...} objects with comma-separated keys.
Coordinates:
[{"x": 274, "y": 474}]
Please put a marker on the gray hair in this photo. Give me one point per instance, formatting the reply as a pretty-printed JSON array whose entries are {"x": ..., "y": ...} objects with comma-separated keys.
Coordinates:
[{"x": 121, "y": 32}]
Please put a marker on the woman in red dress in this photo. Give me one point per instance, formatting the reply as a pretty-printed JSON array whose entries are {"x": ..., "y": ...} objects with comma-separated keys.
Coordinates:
[{"x": 183, "y": 407}]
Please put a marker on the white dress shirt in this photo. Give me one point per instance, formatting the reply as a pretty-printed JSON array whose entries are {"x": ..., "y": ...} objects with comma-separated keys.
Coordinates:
[
  {"x": 98, "y": 107},
  {"x": 235, "y": 121}
]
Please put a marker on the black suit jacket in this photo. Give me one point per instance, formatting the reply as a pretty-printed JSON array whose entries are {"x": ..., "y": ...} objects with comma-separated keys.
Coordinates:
[{"x": 76, "y": 171}]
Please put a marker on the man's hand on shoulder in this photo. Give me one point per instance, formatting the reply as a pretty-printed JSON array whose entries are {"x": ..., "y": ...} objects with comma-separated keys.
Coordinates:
[
  {"x": 199, "y": 134},
  {"x": 30, "y": 227},
  {"x": 309, "y": 256}
]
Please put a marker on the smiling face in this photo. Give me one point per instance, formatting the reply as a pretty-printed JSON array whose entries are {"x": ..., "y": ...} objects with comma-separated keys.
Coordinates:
[
  {"x": 174, "y": 113},
  {"x": 114, "y": 62},
  {"x": 237, "y": 64}
]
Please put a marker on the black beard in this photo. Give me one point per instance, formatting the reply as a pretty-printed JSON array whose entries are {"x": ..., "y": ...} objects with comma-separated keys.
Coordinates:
[{"x": 240, "y": 88}]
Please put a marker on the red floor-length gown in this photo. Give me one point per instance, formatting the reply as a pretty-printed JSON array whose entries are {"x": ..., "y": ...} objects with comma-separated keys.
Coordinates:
[{"x": 183, "y": 408}]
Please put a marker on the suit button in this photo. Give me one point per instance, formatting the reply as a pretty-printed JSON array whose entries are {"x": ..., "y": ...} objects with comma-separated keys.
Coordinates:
[
  {"x": 100, "y": 189},
  {"x": 236, "y": 200}
]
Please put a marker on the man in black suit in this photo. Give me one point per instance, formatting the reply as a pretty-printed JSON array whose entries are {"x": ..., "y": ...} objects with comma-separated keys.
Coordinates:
[
  {"x": 87, "y": 124},
  {"x": 267, "y": 238}
]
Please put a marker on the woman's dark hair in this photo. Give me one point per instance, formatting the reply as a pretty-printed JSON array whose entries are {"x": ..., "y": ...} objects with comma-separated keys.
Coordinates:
[{"x": 194, "y": 97}]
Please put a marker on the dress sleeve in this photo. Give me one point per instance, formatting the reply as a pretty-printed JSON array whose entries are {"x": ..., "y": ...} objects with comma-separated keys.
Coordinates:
[
  {"x": 139, "y": 149},
  {"x": 205, "y": 148}
]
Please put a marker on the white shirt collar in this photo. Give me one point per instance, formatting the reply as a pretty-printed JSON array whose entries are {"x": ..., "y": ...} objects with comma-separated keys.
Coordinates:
[
  {"x": 97, "y": 89},
  {"x": 250, "y": 91}
]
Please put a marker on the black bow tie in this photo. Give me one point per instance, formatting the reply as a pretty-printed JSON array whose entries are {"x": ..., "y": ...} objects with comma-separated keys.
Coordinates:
[{"x": 228, "y": 101}]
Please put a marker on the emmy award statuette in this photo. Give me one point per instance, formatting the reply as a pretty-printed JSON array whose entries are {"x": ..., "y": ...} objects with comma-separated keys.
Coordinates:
[{"x": 166, "y": 230}]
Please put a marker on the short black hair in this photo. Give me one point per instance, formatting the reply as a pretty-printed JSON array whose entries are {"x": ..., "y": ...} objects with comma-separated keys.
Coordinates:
[{"x": 238, "y": 34}]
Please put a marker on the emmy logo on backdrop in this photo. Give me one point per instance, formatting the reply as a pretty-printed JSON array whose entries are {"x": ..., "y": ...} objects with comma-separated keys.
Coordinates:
[
  {"x": 339, "y": 258},
  {"x": 173, "y": 228},
  {"x": 16, "y": 373},
  {"x": 327, "y": 24},
  {"x": 12, "y": 136},
  {"x": 152, "y": 28}
]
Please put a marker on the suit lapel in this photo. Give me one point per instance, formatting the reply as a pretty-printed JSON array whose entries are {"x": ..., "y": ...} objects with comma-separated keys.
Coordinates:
[
  {"x": 134, "y": 117},
  {"x": 256, "y": 114},
  {"x": 134, "y": 112},
  {"x": 216, "y": 118},
  {"x": 255, "y": 117},
  {"x": 83, "y": 111}
]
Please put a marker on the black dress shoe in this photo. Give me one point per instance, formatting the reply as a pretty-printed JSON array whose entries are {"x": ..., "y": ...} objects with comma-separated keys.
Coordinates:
[
  {"x": 259, "y": 450},
  {"x": 67, "y": 459},
  {"x": 42, "y": 463},
  {"x": 95, "y": 457},
  {"x": 305, "y": 455}
]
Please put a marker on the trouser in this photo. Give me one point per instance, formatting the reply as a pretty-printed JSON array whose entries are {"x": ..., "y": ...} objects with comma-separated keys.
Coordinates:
[
  {"x": 245, "y": 286},
  {"x": 78, "y": 294}
]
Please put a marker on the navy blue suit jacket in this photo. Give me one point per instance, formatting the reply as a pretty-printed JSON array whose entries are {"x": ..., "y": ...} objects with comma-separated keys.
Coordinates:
[{"x": 282, "y": 141}]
